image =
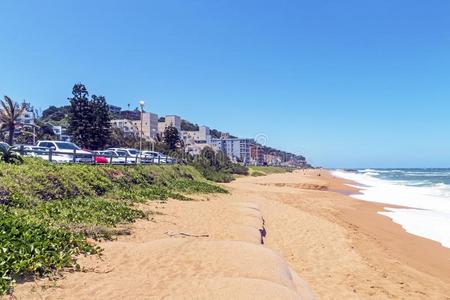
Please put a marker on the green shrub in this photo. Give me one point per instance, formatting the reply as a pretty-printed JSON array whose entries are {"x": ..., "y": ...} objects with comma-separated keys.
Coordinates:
[
  {"x": 28, "y": 246},
  {"x": 257, "y": 173},
  {"x": 265, "y": 170},
  {"x": 36, "y": 180},
  {"x": 86, "y": 211},
  {"x": 216, "y": 166},
  {"x": 190, "y": 186}
]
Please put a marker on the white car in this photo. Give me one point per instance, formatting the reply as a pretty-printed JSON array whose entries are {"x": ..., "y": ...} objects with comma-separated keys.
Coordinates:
[
  {"x": 157, "y": 157},
  {"x": 64, "y": 152},
  {"x": 117, "y": 157},
  {"x": 130, "y": 154}
]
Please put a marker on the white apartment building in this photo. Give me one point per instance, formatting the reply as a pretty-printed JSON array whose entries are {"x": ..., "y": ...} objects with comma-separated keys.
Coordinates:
[
  {"x": 236, "y": 149},
  {"x": 28, "y": 117},
  {"x": 61, "y": 133},
  {"x": 149, "y": 125},
  {"x": 170, "y": 121},
  {"x": 201, "y": 136}
]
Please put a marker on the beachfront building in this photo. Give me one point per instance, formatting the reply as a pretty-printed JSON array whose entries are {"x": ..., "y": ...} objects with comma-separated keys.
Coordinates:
[
  {"x": 149, "y": 125},
  {"x": 271, "y": 159},
  {"x": 25, "y": 120},
  {"x": 61, "y": 133},
  {"x": 169, "y": 121},
  {"x": 257, "y": 154},
  {"x": 195, "y": 141},
  {"x": 28, "y": 117},
  {"x": 200, "y": 136},
  {"x": 238, "y": 150}
]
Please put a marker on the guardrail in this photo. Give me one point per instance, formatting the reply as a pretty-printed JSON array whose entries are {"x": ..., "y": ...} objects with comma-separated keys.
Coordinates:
[{"x": 91, "y": 158}]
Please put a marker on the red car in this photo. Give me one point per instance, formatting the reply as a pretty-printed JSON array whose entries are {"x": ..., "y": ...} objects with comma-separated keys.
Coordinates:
[{"x": 101, "y": 160}]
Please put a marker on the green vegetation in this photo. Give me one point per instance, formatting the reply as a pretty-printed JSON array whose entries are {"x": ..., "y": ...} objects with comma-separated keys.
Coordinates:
[
  {"x": 7, "y": 154},
  {"x": 89, "y": 120},
  {"x": 216, "y": 166},
  {"x": 266, "y": 170},
  {"x": 48, "y": 210},
  {"x": 10, "y": 113},
  {"x": 29, "y": 246}
]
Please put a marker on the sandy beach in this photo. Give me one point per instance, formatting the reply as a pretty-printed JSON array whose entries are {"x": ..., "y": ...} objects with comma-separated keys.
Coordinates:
[{"x": 282, "y": 236}]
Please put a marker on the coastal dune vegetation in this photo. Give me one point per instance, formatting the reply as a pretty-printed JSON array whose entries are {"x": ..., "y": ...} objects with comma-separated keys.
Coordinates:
[
  {"x": 47, "y": 211},
  {"x": 266, "y": 170}
]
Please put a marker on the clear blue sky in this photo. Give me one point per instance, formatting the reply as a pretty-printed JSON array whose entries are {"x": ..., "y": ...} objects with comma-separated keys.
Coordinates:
[{"x": 346, "y": 83}]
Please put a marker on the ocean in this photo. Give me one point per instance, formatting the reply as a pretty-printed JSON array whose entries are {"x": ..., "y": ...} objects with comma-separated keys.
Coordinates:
[{"x": 426, "y": 193}]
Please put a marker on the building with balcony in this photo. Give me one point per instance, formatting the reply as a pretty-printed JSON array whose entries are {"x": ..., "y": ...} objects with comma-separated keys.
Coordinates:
[
  {"x": 169, "y": 121},
  {"x": 149, "y": 125},
  {"x": 201, "y": 136},
  {"x": 238, "y": 150}
]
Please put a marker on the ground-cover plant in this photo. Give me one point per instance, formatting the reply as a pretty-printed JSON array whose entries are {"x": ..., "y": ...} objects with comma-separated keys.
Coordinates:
[
  {"x": 28, "y": 246},
  {"x": 191, "y": 186},
  {"x": 257, "y": 173},
  {"x": 93, "y": 211},
  {"x": 265, "y": 170},
  {"x": 47, "y": 210},
  {"x": 36, "y": 180}
]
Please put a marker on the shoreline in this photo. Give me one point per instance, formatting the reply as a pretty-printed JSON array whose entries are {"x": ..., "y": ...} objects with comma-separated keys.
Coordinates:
[
  {"x": 396, "y": 263},
  {"x": 413, "y": 250}
]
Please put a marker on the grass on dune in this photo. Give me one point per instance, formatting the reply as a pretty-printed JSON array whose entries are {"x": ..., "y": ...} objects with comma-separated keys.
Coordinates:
[
  {"x": 47, "y": 211},
  {"x": 266, "y": 170}
]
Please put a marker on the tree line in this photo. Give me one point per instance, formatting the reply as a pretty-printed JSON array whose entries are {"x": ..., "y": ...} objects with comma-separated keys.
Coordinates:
[{"x": 88, "y": 122}]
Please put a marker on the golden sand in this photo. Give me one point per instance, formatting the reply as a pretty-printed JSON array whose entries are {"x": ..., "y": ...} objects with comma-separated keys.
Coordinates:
[{"x": 282, "y": 236}]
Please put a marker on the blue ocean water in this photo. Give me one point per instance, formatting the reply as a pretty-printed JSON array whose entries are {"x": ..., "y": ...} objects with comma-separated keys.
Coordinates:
[{"x": 414, "y": 177}]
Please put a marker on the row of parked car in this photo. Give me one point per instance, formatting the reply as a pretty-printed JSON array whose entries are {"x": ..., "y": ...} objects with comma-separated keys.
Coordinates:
[{"x": 67, "y": 152}]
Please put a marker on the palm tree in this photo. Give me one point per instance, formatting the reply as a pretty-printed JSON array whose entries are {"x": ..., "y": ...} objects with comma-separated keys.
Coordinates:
[
  {"x": 8, "y": 155},
  {"x": 10, "y": 112}
]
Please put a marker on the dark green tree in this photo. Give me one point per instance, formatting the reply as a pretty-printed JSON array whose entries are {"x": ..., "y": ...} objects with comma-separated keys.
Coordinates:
[
  {"x": 80, "y": 116},
  {"x": 172, "y": 138},
  {"x": 100, "y": 132},
  {"x": 89, "y": 120}
]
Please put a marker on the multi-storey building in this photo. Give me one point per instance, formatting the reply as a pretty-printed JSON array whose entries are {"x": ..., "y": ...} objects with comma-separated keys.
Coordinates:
[
  {"x": 201, "y": 136},
  {"x": 61, "y": 133},
  {"x": 28, "y": 117},
  {"x": 257, "y": 154},
  {"x": 149, "y": 125},
  {"x": 236, "y": 149},
  {"x": 169, "y": 121}
]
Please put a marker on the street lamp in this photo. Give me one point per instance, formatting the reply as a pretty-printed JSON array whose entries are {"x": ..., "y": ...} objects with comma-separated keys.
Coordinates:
[{"x": 141, "y": 104}]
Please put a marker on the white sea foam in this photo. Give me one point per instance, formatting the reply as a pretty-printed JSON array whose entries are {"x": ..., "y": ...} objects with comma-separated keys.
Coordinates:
[
  {"x": 430, "y": 224},
  {"x": 429, "y": 212}
]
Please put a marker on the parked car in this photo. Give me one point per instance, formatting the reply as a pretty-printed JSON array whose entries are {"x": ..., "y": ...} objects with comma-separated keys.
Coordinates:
[
  {"x": 100, "y": 158},
  {"x": 131, "y": 155},
  {"x": 113, "y": 156},
  {"x": 125, "y": 156},
  {"x": 64, "y": 151},
  {"x": 157, "y": 157},
  {"x": 33, "y": 151},
  {"x": 42, "y": 152},
  {"x": 154, "y": 157}
]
